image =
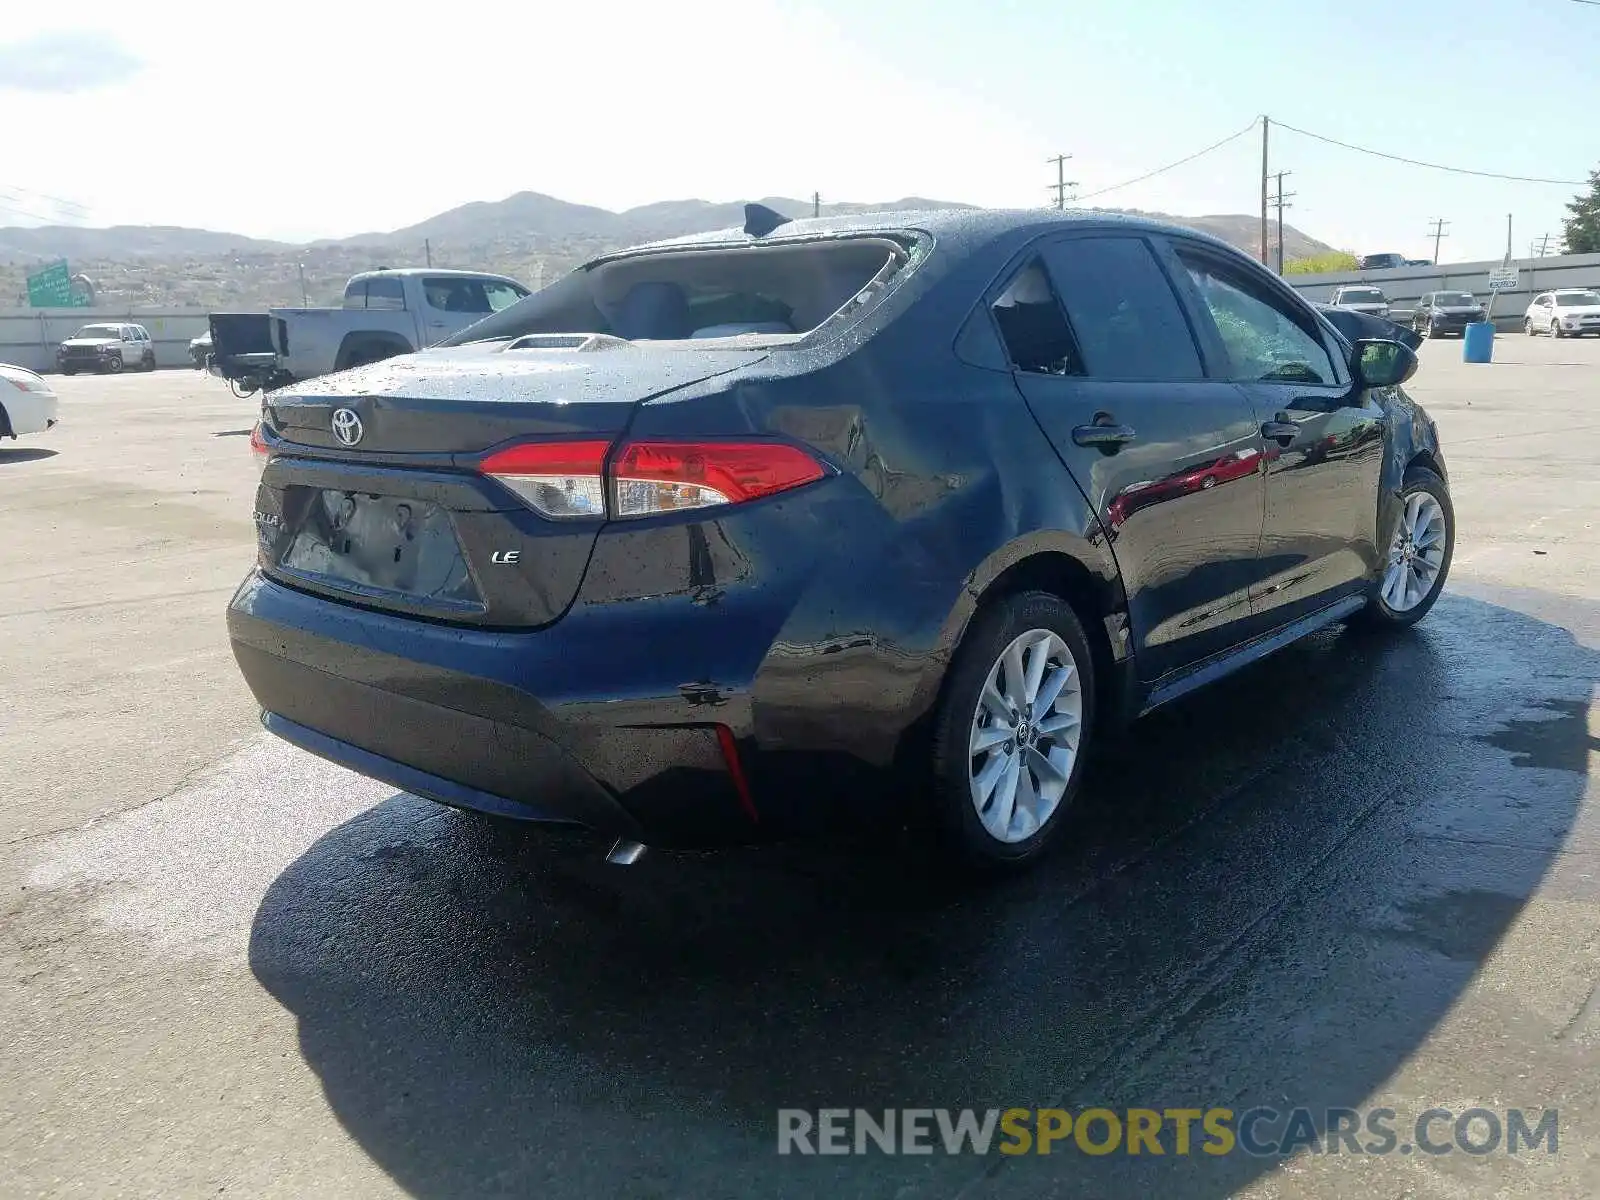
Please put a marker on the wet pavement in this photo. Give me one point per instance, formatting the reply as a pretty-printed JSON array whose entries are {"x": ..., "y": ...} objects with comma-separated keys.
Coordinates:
[{"x": 1361, "y": 874}]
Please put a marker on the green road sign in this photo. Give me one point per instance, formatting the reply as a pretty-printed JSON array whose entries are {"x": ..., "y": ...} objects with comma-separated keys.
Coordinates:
[{"x": 51, "y": 287}]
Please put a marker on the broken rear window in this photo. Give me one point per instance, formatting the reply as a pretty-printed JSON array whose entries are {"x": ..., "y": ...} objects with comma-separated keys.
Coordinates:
[{"x": 774, "y": 291}]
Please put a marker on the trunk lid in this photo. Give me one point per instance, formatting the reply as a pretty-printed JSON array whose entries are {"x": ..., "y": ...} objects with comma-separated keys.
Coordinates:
[
  {"x": 466, "y": 399},
  {"x": 399, "y": 518}
]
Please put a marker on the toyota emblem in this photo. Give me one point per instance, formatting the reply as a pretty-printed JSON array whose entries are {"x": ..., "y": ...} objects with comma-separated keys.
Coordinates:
[{"x": 347, "y": 426}]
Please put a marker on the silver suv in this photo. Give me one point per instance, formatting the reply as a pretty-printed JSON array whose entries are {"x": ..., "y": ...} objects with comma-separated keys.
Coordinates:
[{"x": 108, "y": 347}]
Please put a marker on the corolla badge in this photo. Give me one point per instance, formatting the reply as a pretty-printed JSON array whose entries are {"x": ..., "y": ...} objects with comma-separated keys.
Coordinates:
[{"x": 347, "y": 426}]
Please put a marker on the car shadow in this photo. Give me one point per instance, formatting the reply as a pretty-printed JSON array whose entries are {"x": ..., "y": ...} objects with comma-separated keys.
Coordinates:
[
  {"x": 232, "y": 433},
  {"x": 22, "y": 454},
  {"x": 494, "y": 1012}
]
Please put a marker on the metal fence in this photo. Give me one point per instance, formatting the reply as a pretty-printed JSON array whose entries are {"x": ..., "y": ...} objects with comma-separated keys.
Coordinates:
[{"x": 29, "y": 336}]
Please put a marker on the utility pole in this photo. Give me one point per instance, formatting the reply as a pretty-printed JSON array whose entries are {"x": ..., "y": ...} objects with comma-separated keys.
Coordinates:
[
  {"x": 1266, "y": 124},
  {"x": 816, "y": 204},
  {"x": 1281, "y": 199},
  {"x": 427, "y": 250},
  {"x": 1438, "y": 232},
  {"x": 1062, "y": 183}
]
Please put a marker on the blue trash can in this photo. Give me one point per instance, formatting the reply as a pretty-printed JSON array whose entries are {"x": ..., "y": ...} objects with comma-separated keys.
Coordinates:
[{"x": 1478, "y": 344}]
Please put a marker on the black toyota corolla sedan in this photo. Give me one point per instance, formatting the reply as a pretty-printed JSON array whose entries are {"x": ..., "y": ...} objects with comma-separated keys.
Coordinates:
[{"x": 740, "y": 535}]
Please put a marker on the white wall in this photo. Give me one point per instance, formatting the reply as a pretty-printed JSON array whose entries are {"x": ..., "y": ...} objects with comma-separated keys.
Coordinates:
[
  {"x": 1404, "y": 285},
  {"x": 29, "y": 336}
]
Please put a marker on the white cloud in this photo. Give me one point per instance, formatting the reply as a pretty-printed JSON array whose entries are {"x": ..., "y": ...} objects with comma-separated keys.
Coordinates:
[{"x": 64, "y": 62}]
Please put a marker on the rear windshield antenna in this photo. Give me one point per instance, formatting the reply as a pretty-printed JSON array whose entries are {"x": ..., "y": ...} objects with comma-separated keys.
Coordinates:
[{"x": 759, "y": 220}]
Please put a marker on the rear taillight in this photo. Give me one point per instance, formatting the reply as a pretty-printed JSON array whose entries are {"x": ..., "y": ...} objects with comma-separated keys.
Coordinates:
[
  {"x": 259, "y": 447},
  {"x": 566, "y": 480},
  {"x": 556, "y": 479},
  {"x": 658, "y": 477}
]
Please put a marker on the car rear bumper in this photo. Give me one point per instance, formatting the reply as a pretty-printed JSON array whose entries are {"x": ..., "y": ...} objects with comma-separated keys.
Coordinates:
[
  {"x": 30, "y": 412},
  {"x": 459, "y": 716}
]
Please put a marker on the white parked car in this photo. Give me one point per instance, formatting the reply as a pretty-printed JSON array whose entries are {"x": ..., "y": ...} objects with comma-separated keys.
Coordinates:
[
  {"x": 1362, "y": 298},
  {"x": 27, "y": 403},
  {"x": 1571, "y": 312}
]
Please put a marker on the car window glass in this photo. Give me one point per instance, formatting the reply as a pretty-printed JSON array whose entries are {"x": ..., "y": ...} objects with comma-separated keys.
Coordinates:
[
  {"x": 1124, "y": 316},
  {"x": 386, "y": 293},
  {"x": 501, "y": 295},
  {"x": 1035, "y": 332},
  {"x": 1263, "y": 341}
]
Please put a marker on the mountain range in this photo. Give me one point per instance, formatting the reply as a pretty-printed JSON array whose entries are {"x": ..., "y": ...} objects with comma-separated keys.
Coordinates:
[{"x": 530, "y": 236}]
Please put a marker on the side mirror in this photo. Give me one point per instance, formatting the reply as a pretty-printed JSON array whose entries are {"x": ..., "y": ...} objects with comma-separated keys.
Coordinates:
[{"x": 1383, "y": 364}]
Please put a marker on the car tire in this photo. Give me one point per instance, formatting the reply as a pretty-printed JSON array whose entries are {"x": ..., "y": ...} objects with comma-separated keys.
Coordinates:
[
  {"x": 1004, "y": 772},
  {"x": 150, "y": 361},
  {"x": 1527, "y": 326},
  {"x": 69, "y": 370},
  {"x": 1424, "y": 505},
  {"x": 1555, "y": 330},
  {"x": 114, "y": 364}
]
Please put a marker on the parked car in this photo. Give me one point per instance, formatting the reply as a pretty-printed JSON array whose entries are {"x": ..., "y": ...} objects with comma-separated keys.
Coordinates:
[
  {"x": 1361, "y": 298},
  {"x": 1382, "y": 262},
  {"x": 1567, "y": 313},
  {"x": 385, "y": 313},
  {"x": 28, "y": 404},
  {"x": 200, "y": 351},
  {"x": 107, "y": 348},
  {"x": 738, "y": 535},
  {"x": 1439, "y": 313}
]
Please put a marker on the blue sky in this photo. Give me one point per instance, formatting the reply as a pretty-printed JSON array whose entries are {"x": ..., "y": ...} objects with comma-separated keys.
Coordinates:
[{"x": 368, "y": 125}]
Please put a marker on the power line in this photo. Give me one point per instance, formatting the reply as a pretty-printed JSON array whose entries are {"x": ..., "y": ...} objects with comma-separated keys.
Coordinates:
[
  {"x": 67, "y": 208},
  {"x": 1417, "y": 162},
  {"x": 1232, "y": 137}
]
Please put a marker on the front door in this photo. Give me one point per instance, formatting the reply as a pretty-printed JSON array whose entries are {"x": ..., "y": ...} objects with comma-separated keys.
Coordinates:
[
  {"x": 1168, "y": 458},
  {"x": 1323, "y": 434}
]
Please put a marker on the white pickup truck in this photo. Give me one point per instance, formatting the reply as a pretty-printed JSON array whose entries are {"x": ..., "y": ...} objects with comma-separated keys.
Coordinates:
[{"x": 384, "y": 313}]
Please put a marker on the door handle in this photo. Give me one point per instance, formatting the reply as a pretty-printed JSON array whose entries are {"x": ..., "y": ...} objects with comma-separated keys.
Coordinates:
[
  {"x": 1280, "y": 429},
  {"x": 1106, "y": 435}
]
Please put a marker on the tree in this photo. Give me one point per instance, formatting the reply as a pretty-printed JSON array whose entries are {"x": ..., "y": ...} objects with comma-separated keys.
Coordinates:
[
  {"x": 1583, "y": 226},
  {"x": 1317, "y": 264}
]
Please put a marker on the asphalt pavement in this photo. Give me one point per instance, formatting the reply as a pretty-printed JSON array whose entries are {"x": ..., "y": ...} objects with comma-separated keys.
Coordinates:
[{"x": 1363, "y": 874}]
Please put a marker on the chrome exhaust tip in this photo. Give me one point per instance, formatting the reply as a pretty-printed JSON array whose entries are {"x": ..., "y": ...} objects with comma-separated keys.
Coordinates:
[{"x": 625, "y": 852}]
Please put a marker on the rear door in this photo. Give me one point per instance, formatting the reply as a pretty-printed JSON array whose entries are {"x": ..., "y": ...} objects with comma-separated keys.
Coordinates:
[
  {"x": 1168, "y": 457},
  {"x": 1323, "y": 434}
]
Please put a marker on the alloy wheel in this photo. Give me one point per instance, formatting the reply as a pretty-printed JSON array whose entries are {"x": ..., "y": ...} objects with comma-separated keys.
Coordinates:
[
  {"x": 1025, "y": 734},
  {"x": 1416, "y": 553}
]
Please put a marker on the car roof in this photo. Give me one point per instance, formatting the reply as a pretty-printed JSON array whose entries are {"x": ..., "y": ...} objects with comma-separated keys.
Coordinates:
[
  {"x": 430, "y": 272},
  {"x": 968, "y": 228}
]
